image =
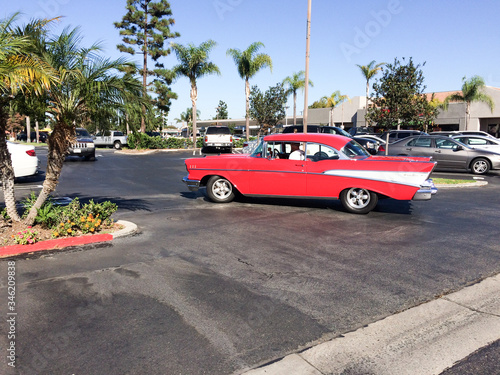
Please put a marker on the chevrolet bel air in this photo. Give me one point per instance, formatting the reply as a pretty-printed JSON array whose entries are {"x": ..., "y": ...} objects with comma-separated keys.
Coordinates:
[{"x": 313, "y": 165}]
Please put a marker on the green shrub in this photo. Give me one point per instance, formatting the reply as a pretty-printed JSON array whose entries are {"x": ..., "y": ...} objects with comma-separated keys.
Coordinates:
[
  {"x": 143, "y": 141},
  {"x": 89, "y": 218}
]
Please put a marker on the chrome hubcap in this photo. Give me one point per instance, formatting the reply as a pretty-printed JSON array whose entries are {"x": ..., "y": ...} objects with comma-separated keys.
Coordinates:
[
  {"x": 222, "y": 189},
  {"x": 358, "y": 198},
  {"x": 480, "y": 167}
]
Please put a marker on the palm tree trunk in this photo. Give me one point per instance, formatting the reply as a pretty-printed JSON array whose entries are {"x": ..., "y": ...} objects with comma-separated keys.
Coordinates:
[
  {"x": 295, "y": 108},
  {"x": 28, "y": 129},
  {"x": 6, "y": 170},
  {"x": 194, "y": 97},
  {"x": 247, "y": 108},
  {"x": 467, "y": 115},
  {"x": 58, "y": 148}
]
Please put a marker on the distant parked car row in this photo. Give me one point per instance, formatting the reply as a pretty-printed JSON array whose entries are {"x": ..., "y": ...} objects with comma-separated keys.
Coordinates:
[
  {"x": 449, "y": 152},
  {"x": 370, "y": 144},
  {"x": 42, "y": 137}
]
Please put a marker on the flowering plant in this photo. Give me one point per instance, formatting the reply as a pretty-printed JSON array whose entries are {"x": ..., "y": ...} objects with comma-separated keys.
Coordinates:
[{"x": 26, "y": 237}]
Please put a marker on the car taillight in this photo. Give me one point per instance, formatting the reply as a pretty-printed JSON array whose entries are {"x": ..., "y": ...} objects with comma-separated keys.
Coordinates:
[
  {"x": 381, "y": 148},
  {"x": 206, "y": 137},
  {"x": 231, "y": 139},
  {"x": 31, "y": 152}
]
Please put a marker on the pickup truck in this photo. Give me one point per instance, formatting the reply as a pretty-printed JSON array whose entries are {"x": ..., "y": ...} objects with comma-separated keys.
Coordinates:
[
  {"x": 218, "y": 137},
  {"x": 110, "y": 138}
]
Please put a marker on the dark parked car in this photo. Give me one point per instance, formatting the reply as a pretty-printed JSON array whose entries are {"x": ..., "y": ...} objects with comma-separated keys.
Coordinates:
[
  {"x": 395, "y": 135},
  {"x": 447, "y": 152},
  {"x": 42, "y": 137},
  {"x": 370, "y": 145},
  {"x": 361, "y": 130},
  {"x": 84, "y": 145}
]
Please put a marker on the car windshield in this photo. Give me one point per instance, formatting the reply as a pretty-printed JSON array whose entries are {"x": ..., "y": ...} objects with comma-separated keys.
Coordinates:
[
  {"x": 353, "y": 149},
  {"x": 82, "y": 133},
  {"x": 343, "y": 132},
  {"x": 218, "y": 130},
  {"x": 257, "y": 152}
]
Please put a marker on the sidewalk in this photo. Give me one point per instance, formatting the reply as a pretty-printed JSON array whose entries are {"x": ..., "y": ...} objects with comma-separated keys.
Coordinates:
[
  {"x": 424, "y": 340},
  {"x": 60, "y": 243}
]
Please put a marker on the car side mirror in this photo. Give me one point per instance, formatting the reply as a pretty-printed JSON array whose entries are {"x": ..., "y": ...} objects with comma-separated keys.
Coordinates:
[{"x": 458, "y": 148}]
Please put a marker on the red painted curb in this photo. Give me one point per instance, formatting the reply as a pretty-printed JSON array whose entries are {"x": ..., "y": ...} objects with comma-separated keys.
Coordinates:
[{"x": 58, "y": 243}]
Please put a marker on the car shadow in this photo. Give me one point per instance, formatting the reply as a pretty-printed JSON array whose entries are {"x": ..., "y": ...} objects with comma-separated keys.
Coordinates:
[
  {"x": 39, "y": 177},
  {"x": 388, "y": 205}
]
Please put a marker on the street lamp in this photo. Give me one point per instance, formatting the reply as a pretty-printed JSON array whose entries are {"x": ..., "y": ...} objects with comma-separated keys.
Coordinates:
[{"x": 308, "y": 43}]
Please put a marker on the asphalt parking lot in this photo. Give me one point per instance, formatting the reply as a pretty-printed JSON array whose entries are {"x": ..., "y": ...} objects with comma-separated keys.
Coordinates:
[{"x": 219, "y": 289}]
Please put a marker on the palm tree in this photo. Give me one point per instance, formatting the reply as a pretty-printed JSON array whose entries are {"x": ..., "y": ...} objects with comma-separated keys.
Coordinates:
[
  {"x": 295, "y": 82},
  {"x": 471, "y": 92},
  {"x": 368, "y": 72},
  {"x": 20, "y": 71},
  {"x": 194, "y": 64},
  {"x": 87, "y": 81},
  {"x": 332, "y": 101},
  {"x": 248, "y": 64},
  {"x": 187, "y": 117}
]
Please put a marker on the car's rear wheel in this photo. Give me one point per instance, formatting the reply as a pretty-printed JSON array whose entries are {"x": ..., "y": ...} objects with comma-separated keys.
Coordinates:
[
  {"x": 117, "y": 145},
  {"x": 480, "y": 166},
  {"x": 358, "y": 200},
  {"x": 220, "y": 190}
]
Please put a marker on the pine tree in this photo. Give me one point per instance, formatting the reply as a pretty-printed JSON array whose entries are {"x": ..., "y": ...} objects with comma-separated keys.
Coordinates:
[{"x": 146, "y": 27}]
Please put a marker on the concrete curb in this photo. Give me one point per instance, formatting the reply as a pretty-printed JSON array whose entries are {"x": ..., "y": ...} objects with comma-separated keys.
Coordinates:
[
  {"x": 128, "y": 229},
  {"x": 425, "y": 340}
]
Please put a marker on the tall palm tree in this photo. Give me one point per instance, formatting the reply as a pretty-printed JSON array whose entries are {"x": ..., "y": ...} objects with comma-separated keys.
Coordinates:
[
  {"x": 471, "y": 92},
  {"x": 87, "y": 81},
  {"x": 368, "y": 72},
  {"x": 194, "y": 64},
  {"x": 295, "y": 82},
  {"x": 248, "y": 64},
  {"x": 332, "y": 101},
  {"x": 20, "y": 71}
]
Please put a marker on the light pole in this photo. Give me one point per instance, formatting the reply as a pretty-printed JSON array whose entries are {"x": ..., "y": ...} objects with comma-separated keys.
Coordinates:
[{"x": 308, "y": 43}]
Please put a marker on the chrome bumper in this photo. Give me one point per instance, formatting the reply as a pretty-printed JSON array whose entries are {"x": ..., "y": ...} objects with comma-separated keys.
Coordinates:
[
  {"x": 192, "y": 185},
  {"x": 426, "y": 191}
]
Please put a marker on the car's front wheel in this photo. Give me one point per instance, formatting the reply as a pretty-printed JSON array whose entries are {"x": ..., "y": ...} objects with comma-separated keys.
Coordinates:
[
  {"x": 358, "y": 200},
  {"x": 480, "y": 166},
  {"x": 220, "y": 190}
]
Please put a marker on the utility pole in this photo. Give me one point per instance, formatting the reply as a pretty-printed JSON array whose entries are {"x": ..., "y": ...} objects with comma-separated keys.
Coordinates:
[{"x": 308, "y": 43}]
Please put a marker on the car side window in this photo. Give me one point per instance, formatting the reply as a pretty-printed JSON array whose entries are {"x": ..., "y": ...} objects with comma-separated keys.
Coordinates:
[
  {"x": 420, "y": 142},
  {"x": 317, "y": 152},
  {"x": 478, "y": 142},
  {"x": 445, "y": 143}
]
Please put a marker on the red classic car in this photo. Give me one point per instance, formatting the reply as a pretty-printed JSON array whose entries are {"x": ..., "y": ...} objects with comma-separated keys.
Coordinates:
[{"x": 324, "y": 166}]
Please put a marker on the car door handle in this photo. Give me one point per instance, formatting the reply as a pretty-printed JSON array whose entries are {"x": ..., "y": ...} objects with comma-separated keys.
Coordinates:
[
  {"x": 438, "y": 151},
  {"x": 299, "y": 165},
  {"x": 408, "y": 149}
]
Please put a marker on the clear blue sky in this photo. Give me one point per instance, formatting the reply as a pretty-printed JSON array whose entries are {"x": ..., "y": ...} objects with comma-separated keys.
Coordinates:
[{"x": 454, "y": 38}]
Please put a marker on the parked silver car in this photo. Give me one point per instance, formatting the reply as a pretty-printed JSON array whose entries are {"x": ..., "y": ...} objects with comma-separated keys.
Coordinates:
[
  {"x": 447, "y": 152},
  {"x": 478, "y": 141}
]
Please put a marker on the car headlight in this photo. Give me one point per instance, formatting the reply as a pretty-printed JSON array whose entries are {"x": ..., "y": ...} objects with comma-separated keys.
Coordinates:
[{"x": 90, "y": 145}]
